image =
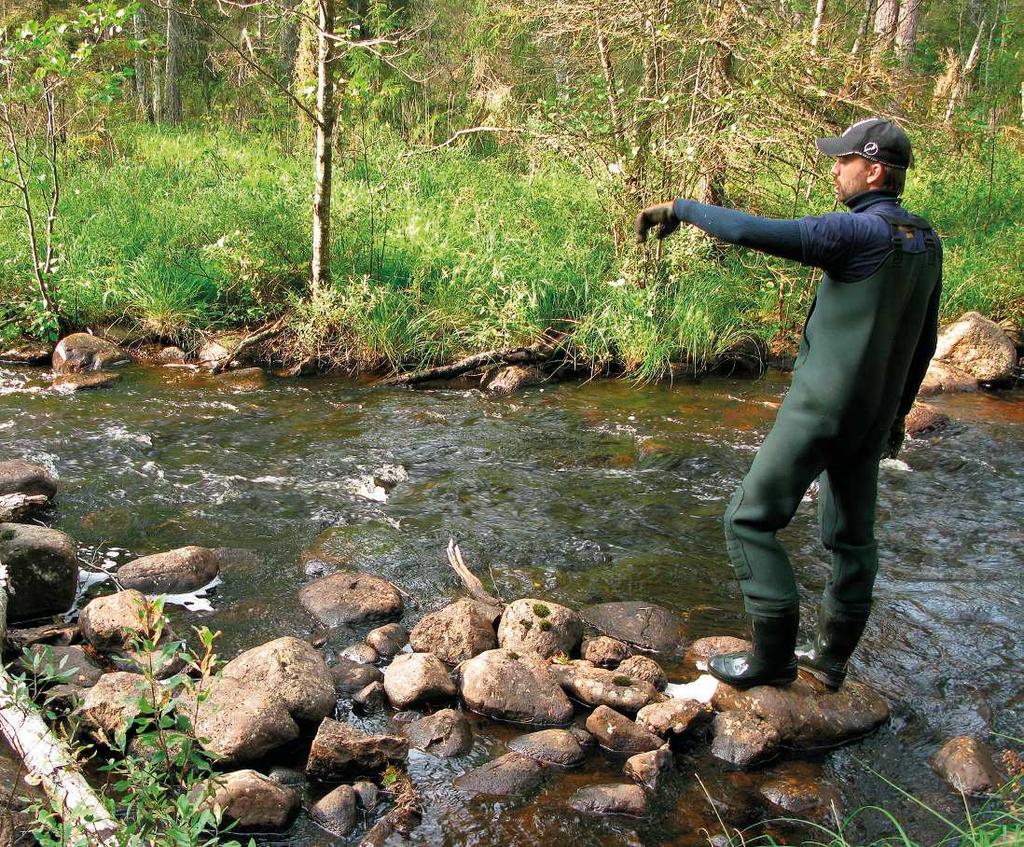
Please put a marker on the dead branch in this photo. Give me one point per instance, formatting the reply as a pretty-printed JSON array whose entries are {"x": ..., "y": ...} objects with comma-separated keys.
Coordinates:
[
  {"x": 512, "y": 356},
  {"x": 456, "y": 136},
  {"x": 13, "y": 507},
  {"x": 250, "y": 340},
  {"x": 473, "y": 585},
  {"x": 402, "y": 818}
]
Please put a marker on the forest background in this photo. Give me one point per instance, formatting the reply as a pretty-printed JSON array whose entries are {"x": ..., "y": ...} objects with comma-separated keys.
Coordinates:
[{"x": 401, "y": 183}]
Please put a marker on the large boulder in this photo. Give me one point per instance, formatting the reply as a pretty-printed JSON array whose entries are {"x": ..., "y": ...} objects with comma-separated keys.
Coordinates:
[
  {"x": 599, "y": 687},
  {"x": 511, "y": 775},
  {"x": 443, "y": 734},
  {"x": 966, "y": 765},
  {"x": 457, "y": 632},
  {"x": 251, "y": 799},
  {"x": 112, "y": 704},
  {"x": 291, "y": 671},
  {"x": 350, "y": 599},
  {"x": 83, "y": 352},
  {"x": 505, "y": 685},
  {"x": 417, "y": 677},
  {"x": 20, "y": 477},
  {"x": 614, "y": 799},
  {"x": 174, "y": 572},
  {"x": 976, "y": 346},
  {"x": 644, "y": 625},
  {"x": 236, "y": 723},
  {"x": 619, "y": 734},
  {"x": 339, "y": 748},
  {"x": 941, "y": 379},
  {"x": 42, "y": 568},
  {"x": 536, "y": 626},
  {"x": 550, "y": 747}
]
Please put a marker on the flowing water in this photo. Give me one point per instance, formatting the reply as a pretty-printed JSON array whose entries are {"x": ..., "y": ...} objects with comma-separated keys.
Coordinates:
[{"x": 579, "y": 493}]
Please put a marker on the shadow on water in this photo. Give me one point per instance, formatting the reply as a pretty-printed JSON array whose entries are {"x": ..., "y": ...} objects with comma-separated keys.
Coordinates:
[{"x": 578, "y": 493}]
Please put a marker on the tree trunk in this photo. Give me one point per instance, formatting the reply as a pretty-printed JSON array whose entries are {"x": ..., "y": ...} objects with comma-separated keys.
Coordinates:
[
  {"x": 320, "y": 268},
  {"x": 289, "y": 44},
  {"x": 608, "y": 69},
  {"x": 862, "y": 30},
  {"x": 141, "y": 90},
  {"x": 156, "y": 87},
  {"x": 963, "y": 82},
  {"x": 172, "y": 66},
  {"x": 819, "y": 19},
  {"x": 886, "y": 18},
  {"x": 906, "y": 30},
  {"x": 304, "y": 67}
]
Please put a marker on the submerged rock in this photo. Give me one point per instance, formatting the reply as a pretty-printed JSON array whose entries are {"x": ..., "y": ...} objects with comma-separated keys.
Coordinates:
[
  {"x": 339, "y": 748},
  {"x": 797, "y": 788},
  {"x": 550, "y": 747},
  {"x": 360, "y": 653},
  {"x": 599, "y": 687},
  {"x": 457, "y": 632},
  {"x": 505, "y": 685},
  {"x": 966, "y": 765},
  {"x": 644, "y": 625},
  {"x": 173, "y": 572},
  {"x": 253, "y": 800},
  {"x": 27, "y": 353},
  {"x": 416, "y": 677},
  {"x": 507, "y": 776},
  {"x": 977, "y": 346},
  {"x": 70, "y": 383},
  {"x": 350, "y": 599},
  {"x": 540, "y": 627},
  {"x": 616, "y": 799},
  {"x": 605, "y": 652},
  {"x": 650, "y": 769},
  {"x": 290, "y": 670},
  {"x": 20, "y": 477},
  {"x": 619, "y": 734},
  {"x": 443, "y": 734},
  {"x": 243, "y": 379},
  {"x": 336, "y": 811},
  {"x": 42, "y": 568},
  {"x": 925, "y": 419},
  {"x": 83, "y": 352}
]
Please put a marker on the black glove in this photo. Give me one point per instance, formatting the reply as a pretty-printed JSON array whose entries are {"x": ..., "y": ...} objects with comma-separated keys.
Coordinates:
[
  {"x": 896, "y": 436},
  {"x": 660, "y": 216}
]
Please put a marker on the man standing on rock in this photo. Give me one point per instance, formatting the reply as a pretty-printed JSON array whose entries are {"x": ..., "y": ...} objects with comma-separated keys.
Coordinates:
[{"x": 866, "y": 345}]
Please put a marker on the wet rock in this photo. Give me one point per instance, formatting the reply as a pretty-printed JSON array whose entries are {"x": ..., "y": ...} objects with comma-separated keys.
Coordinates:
[
  {"x": 599, "y": 687},
  {"x": 42, "y": 568},
  {"x": 617, "y": 799},
  {"x": 238, "y": 724},
  {"x": 744, "y": 739},
  {"x": 642, "y": 667},
  {"x": 585, "y": 739},
  {"x": 605, "y": 652},
  {"x": 417, "y": 677},
  {"x": 71, "y": 662},
  {"x": 243, "y": 379},
  {"x": 290, "y": 670},
  {"x": 619, "y": 734},
  {"x": 367, "y": 794},
  {"x": 253, "y": 800},
  {"x": 362, "y": 654},
  {"x": 388, "y": 640},
  {"x": 550, "y": 747},
  {"x": 112, "y": 704},
  {"x": 70, "y": 383},
  {"x": 214, "y": 351},
  {"x": 644, "y": 625},
  {"x": 336, "y": 811},
  {"x": 940, "y": 379},
  {"x": 703, "y": 649},
  {"x": 966, "y": 765},
  {"x": 288, "y": 777},
  {"x": 510, "y": 775},
  {"x": 457, "y": 632},
  {"x": 797, "y": 788},
  {"x": 350, "y": 599},
  {"x": 674, "y": 718},
  {"x": 650, "y": 769},
  {"x": 339, "y": 748},
  {"x": 20, "y": 477},
  {"x": 512, "y": 378},
  {"x": 924, "y": 419},
  {"x": 505, "y": 685},
  {"x": 444, "y": 734},
  {"x": 806, "y": 714},
  {"x": 373, "y": 698},
  {"x": 976, "y": 346},
  {"x": 170, "y": 356},
  {"x": 350, "y": 677},
  {"x": 173, "y": 572},
  {"x": 83, "y": 352},
  {"x": 114, "y": 621},
  {"x": 546, "y": 629},
  {"x": 27, "y": 353}
]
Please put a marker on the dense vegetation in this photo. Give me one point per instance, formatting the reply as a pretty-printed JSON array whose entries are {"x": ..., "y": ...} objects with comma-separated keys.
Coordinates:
[{"x": 174, "y": 223}]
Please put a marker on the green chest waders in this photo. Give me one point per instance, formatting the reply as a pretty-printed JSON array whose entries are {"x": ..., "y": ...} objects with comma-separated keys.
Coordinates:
[{"x": 849, "y": 379}]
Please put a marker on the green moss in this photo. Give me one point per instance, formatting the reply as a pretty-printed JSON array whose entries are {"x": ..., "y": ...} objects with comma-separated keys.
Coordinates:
[
  {"x": 545, "y": 626},
  {"x": 622, "y": 680},
  {"x": 540, "y": 610},
  {"x": 7, "y": 535}
]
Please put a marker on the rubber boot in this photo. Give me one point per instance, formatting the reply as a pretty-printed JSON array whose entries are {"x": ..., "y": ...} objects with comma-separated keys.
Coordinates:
[
  {"x": 771, "y": 662},
  {"x": 837, "y": 637}
]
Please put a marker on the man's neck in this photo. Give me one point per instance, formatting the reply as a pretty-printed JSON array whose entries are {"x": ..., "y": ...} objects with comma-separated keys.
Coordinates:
[{"x": 859, "y": 202}]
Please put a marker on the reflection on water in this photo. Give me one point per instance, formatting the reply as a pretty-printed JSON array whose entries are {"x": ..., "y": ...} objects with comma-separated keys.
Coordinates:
[{"x": 579, "y": 493}]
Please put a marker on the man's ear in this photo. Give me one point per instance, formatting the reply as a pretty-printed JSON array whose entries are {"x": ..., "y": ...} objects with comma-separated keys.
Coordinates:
[{"x": 876, "y": 174}]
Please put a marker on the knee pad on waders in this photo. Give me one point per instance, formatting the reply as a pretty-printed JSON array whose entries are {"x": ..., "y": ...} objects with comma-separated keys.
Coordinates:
[{"x": 733, "y": 545}]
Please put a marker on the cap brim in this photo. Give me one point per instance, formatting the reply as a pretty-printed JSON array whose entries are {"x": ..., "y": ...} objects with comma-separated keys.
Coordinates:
[{"x": 833, "y": 147}]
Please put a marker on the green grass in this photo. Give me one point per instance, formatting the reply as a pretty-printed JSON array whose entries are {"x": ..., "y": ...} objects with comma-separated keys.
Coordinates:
[{"x": 442, "y": 254}]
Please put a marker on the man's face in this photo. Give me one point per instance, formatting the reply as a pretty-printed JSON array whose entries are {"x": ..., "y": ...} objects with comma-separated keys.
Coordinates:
[{"x": 853, "y": 174}]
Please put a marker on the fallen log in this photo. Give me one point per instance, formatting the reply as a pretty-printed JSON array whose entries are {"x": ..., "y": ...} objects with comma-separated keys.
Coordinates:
[
  {"x": 473, "y": 585},
  {"x": 46, "y": 758},
  {"x": 250, "y": 340},
  {"x": 538, "y": 352}
]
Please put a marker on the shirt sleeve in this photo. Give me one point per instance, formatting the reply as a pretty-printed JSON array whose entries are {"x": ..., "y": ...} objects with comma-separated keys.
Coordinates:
[
  {"x": 828, "y": 241},
  {"x": 769, "y": 235}
]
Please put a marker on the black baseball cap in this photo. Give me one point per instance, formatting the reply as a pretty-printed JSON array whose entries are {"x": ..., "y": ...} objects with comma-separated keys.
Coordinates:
[{"x": 873, "y": 138}]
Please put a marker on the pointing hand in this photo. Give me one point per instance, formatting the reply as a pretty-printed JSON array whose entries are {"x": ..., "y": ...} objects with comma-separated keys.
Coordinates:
[{"x": 660, "y": 216}]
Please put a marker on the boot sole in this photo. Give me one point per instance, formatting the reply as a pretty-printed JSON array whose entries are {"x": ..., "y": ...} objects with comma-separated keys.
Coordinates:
[
  {"x": 823, "y": 677},
  {"x": 743, "y": 685}
]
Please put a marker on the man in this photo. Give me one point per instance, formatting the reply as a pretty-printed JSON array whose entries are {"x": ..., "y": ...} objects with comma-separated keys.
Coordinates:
[{"x": 866, "y": 344}]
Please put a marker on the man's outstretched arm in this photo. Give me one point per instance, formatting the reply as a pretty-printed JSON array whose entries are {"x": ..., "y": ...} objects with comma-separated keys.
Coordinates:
[{"x": 769, "y": 235}]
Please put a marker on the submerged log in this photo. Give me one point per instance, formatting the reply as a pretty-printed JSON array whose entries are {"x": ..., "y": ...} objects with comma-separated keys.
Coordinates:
[
  {"x": 47, "y": 758},
  {"x": 538, "y": 352}
]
